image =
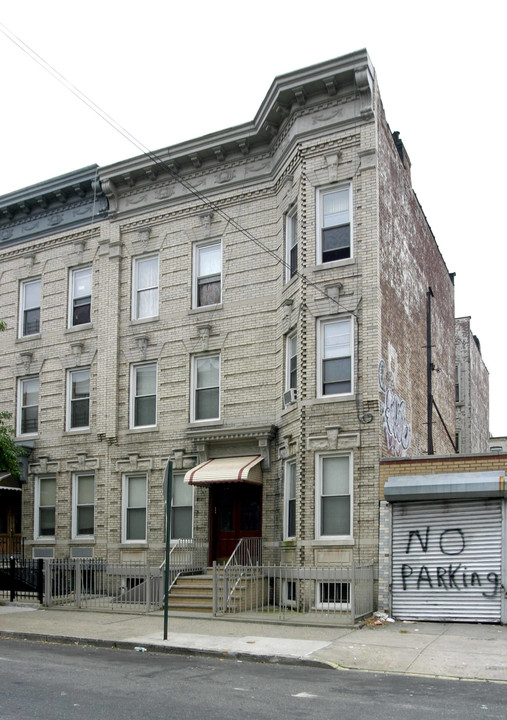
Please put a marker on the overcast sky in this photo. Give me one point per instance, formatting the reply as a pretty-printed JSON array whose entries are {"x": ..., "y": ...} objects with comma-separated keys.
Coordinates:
[{"x": 169, "y": 72}]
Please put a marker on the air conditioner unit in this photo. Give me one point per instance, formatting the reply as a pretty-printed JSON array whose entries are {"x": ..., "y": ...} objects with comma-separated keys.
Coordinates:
[{"x": 289, "y": 397}]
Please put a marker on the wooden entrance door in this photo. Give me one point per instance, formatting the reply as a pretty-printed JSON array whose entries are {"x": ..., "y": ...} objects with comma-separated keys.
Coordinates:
[{"x": 236, "y": 512}]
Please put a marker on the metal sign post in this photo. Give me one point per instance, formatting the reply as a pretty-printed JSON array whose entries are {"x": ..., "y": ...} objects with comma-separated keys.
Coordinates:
[{"x": 168, "y": 493}]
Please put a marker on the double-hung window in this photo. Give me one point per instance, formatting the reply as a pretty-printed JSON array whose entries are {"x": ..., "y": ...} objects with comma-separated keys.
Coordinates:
[
  {"x": 291, "y": 360},
  {"x": 206, "y": 388},
  {"x": 135, "y": 500},
  {"x": 29, "y": 305},
  {"x": 291, "y": 242},
  {"x": 143, "y": 395},
  {"x": 334, "y": 496},
  {"x": 335, "y": 361},
  {"x": 207, "y": 273},
  {"x": 28, "y": 406},
  {"x": 181, "y": 508},
  {"x": 334, "y": 241},
  {"x": 45, "y": 504},
  {"x": 78, "y": 399},
  {"x": 290, "y": 500},
  {"x": 145, "y": 287},
  {"x": 80, "y": 294},
  {"x": 83, "y": 505}
]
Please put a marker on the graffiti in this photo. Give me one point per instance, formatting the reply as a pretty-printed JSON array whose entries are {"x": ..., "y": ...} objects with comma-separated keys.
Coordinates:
[
  {"x": 397, "y": 429},
  {"x": 452, "y": 576}
]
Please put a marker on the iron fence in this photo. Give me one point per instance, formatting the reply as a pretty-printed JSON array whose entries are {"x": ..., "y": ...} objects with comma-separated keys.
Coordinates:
[
  {"x": 21, "y": 578},
  {"x": 186, "y": 557}
]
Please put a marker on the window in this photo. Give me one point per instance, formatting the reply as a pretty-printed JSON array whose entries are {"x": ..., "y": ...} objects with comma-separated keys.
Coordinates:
[
  {"x": 29, "y": 304},
  {"x": 80, "y": 296},
  {"x": 334, "y": 496},
  {"x": 78, "y": 399},
  {"x": 145, "y": 287},
  {"x": 28, "y": 406},
  {"x": 291, "y": 370},
  {"x": 457, "y": 383},
  {"x": 83, "y": 496},
  {"x": 333, "y": 595},
  {"x": 143, "y": 402},
  {"x": 335, "y": 366},
  {"x": 208, "y": 274},
  {"x": 206, "y": 388},
  {"x": 45, "y": 502},
  {"x": 181, "y": 508},
  {"x": 334, "y": 241},
  {"x": 134, "y": 508},
  {"x": 290, "y": 500},
  {"x": 291, "y": 241}
]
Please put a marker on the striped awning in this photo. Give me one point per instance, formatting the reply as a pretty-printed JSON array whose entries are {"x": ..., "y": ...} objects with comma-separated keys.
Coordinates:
[
  {"x": 7, "y": 482},
  {"x": 226, "y": 470}
]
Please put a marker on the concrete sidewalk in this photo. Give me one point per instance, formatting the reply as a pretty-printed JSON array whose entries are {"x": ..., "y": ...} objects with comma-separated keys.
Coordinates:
[{"x": 451, "y": 650}]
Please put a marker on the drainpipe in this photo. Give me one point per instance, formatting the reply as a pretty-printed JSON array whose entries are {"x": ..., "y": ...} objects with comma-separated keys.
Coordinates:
[{"x": 429, "y": 370}]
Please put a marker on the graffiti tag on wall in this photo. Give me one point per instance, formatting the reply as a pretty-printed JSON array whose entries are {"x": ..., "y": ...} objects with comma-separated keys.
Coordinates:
[
  {"x": 397, "y": 430},
  {"x": 451, "y": 574}
]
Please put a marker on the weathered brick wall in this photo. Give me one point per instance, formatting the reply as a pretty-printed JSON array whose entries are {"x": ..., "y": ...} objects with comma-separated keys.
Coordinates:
[{"x": 472, "y": 409}]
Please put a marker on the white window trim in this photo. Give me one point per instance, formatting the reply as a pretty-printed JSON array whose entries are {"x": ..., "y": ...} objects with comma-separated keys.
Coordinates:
[
  {"x": 195, "y": 277},
  {"x": 36, "y": 516},
  {"x": 291, "y": 461},
  {"x": 124, "y": 508},
  {"x": 289, "y": 237},
  {"x": 288, "y": 358},
  {"x": 174, "y": 540},
  {"x": 70, "y": 310},
  {"x": 68, "y": 410},
  {"x": 75, "y": 482},
  {"x": 318, "y": 492},
  {"x": 328, "y": 605},
  {"x": 319, "y": 220},
  {"x": 320, "y": 354},
  {"x": 135, "y": 288},
  {"x": 133, "y": 394},
  {"x": 193, "y": 387},
  {"x": 19, "y": 409},
  {"x": 22, "y": 308}
]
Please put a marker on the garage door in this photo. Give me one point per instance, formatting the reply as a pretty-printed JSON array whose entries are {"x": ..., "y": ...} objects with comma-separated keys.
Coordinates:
[{"x": 447, "y": 559}]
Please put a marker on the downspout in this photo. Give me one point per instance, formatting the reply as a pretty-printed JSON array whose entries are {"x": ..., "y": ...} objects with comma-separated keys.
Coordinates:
[{"x": 429, "y": 370}]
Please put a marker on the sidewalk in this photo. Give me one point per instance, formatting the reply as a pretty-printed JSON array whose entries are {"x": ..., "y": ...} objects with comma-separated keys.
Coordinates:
[{"x": 451, "y": 650}]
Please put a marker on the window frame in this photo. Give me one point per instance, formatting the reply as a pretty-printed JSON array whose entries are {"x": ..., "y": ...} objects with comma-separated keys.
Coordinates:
[
  {"x": 322, "y": 322},
  {"x": 175, "y": 508},
  {"x": 134, "y": 396},
  {"x": 76, "y": 477},
  {"x": 69, "y": 400},
  {"x": 73, "y": 298},
  {"x": 291, "y": 243},
  {"x": 290, "y": 473},
  {"x": 23, "y": 309},
  {"x": 136, "y": 289},
  {"x": 126, "y": 507},
  {"x": 458, "y": 387},
  {"x": 289, "y": 357},
  {"x": 197, "y": 277},
  {"x": 21, "y": 408},
  {"x": 319, "y": 476},
  {"x": 194, "y": 389},
  {"x": 37, "y": 508},
  {"x": 321, "y": 192}
]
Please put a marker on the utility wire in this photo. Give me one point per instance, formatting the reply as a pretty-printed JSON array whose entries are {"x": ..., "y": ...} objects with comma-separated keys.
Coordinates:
[{"x": 157, "y": 160}]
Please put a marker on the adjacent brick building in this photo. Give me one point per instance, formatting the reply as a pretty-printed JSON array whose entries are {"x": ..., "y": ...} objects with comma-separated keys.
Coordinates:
[{"x": 261, "y": 293}]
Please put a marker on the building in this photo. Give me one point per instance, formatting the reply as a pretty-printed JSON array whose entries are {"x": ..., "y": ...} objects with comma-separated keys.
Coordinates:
[
  {"x": 472, "y": 392},
  {"x": 266, "y": 306}
]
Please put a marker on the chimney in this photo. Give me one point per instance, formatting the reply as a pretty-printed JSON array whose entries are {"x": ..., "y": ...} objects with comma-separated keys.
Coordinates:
[{"x": 400, "y": 147}]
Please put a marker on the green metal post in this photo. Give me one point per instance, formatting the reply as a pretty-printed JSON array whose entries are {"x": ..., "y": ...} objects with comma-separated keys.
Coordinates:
[{"x": 168, "y": 485}]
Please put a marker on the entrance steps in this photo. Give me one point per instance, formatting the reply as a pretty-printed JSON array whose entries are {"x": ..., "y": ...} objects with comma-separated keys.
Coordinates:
[{"x": 192, "y": 593}]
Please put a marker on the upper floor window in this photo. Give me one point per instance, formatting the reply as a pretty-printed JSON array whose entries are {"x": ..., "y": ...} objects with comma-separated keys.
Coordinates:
[
  {"x": 83, "y": 505},
  {"x": 45, "y": 505},
  {"x": 78, "y": 399},
  {"x": 333, "y": 502},
  {"x": 134, "y": 511},
  {"x": 143, "y": 398},
  {"x": 206, "y": 388},
  {"x": 181, "y": 508},
  {"x": 334, "y": 231},
  {"x": 145, "y": 287},
  {"x": 290, "y": 500},
  {"x": 80, "y": 296},
  {"x": 29, "y": 306},
  {"x": 457, "y": 383},
  {"x": 291, "y": 242},
  {"x": 335, "y": 357},
  {"x": 207, "y": 286},
  {"x": 28, "y": 406}
]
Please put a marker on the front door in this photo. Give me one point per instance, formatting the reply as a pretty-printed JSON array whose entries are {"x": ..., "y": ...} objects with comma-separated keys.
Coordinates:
[{"x": 236, "y": 512}]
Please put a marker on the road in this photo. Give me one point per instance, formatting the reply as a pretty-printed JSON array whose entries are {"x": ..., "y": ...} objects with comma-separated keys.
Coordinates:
[{"x": 65, "y": 682}]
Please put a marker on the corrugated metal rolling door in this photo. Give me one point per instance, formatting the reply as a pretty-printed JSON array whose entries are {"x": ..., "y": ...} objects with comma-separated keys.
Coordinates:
[{"x": 447, "y": 559}]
